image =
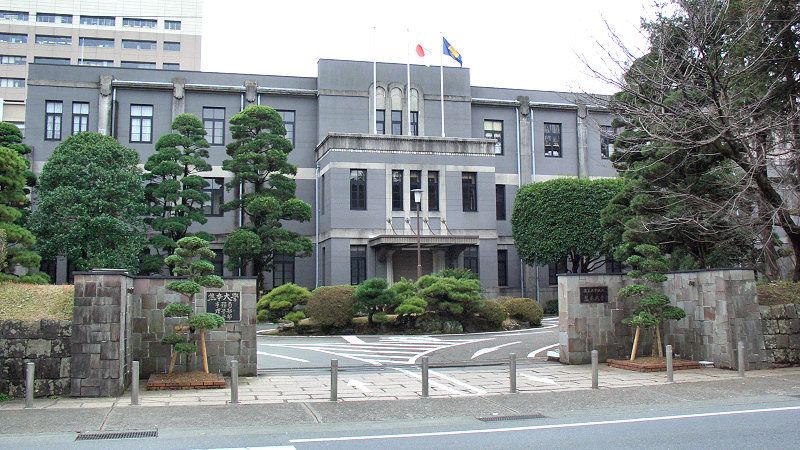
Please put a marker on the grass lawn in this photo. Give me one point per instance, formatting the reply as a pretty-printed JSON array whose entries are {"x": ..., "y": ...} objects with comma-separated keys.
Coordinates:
[{"x": 36, "y": 301}]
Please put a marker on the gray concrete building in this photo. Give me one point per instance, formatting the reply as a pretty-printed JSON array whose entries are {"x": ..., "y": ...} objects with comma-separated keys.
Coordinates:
[{"x": 357, "y": 166}]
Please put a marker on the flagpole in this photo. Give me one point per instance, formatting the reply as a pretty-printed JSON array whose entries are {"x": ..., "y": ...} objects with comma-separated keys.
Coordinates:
[
  {"x": 441, "y": 79},
  {"x": 374, "y": 84},
  {"x": 408, "y": 79}
]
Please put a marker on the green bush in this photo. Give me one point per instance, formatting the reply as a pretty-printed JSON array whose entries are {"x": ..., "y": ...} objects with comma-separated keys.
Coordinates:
[
  {"x": 450, "y": 297},
  {"x": 178, "y": 310},
  {"x": 261, "y": 316},
  {"x": 778, "y": 293},
  {"x": 372, "y": 296},
  {"x": 295, "y": 316},
  {"x": 458, "y": 273},
  {"x": 206, "y": 321},
  {"x": 406, "y": 298},
  {"x": 282, "y": 300},
  {"x": 524, "y": 310},
  {"x": 551, "y": 307},
  {"x": 331, "y": 306},
  {"x": 492, "y": 315},
  {"x": 186, "y": 347}
]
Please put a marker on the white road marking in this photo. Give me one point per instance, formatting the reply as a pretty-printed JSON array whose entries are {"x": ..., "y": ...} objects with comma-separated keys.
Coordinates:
[
  {"x": 353, "y": 339},
  {"x": 544, "y": 380},
  {"x": 539, "y": 350},
  {"x": 283, "y": 357},
  {"x": 430, "y": 382},
  {"x": 484, "y": 351},
  {"x": 359, "y": 385},
  {"x": 546, "y": 427},
  {"x": 476, "y": 390}
]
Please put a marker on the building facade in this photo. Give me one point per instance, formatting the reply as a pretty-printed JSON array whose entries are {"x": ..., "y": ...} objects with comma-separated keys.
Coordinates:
[
  {"x": 358, "y": 164},
  {"x": 143, "y": 34}
]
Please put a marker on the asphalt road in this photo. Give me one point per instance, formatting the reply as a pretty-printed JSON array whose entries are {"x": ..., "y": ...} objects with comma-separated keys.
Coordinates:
[{"x": 305, "y": 352}]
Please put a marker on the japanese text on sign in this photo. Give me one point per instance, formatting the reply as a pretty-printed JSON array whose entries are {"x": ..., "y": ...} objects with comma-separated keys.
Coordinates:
[{"x": 226, "y": 304}]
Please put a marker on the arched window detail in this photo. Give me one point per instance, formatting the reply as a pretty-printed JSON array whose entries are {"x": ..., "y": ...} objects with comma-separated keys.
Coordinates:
[
  {"x": 397, "y": 111},
  {"x": 414, "y": 107}
]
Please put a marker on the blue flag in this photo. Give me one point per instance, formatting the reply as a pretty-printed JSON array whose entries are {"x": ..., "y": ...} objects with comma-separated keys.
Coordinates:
[{"x": 450, "y": 51}]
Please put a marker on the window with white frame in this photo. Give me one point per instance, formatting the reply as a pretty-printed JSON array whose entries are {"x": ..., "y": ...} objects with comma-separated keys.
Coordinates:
[
  {"x": 80, "y": 117},
  {"x": 214, "y": 123},
  {"x": 53, "y": 111},
  {"x": 141, "y": 124}
]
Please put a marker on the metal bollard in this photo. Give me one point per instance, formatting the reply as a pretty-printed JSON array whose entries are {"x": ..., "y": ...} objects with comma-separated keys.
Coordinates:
[
  {"x": 334, "y": 379},
  {"x": 29, "y": 377},
  {"x": 135, "y": 383},
  {"x": 512, "y": 372},
  {"x": 741, "y": 359},
  {"x": 595, "y": 383},
  {"x": 425, "y": 387},
  {"x": 234, "y": 382},
  {"x": 669, "y": 364}
]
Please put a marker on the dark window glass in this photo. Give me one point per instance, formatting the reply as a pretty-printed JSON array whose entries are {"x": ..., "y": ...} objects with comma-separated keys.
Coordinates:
[
  {"x": 613, "y": 266},
  {"x": 554, "y": 269},
  {"x": 53, "y": 40},
  {"x": 172, "y": 66},
  {"x": 138, "y": 45},
  {"x": 282, "y": 269},
  {"x": 397, "y": 190},
  {"x": 215, "y": 190},
  {"x": 96, "y": 42},
  {"x": 104, "y": 21},
  {"x": 433, "y": 190},
  {"x": 502, "y": 267},
  {"x": 358, "y": 264},
  {"x": 80, "y": 117},
  {"x": 493, "y": 129},
  {"x": 95, "y": 62},
  {"x": 139, "y": 23},
  {"x": 552, "y": 139},
  {"x": 172, "y": 46},
  {"x": 137, "y": 65},
  {"x": 47, "y": 60},
  {"x": 13, "y": 60},
  {"x": 219, "y": 262},
  {"x": 52, "y": 120},
  {"x": 141, "y": 123},
  {"x": 172, "y": 24},
  {"x": 358, "y": 189},
  {"x": 397, "y": 122},
  {"x": 14, "y": 15},
  {"x": 469, "y": 191},
  {"x": 380, "y": 121},
  {"x": 214, "y": 123},
  {"x": 471, "y": 259},
  {"x": 288, "y": 123},
  {"x": 415, "y": 182},
  {"x": 14, "y": 38},
  {"x": 500, "y": 199},
  {"x": 606, "y": 141},
  {"x": 415, "y": 123}
]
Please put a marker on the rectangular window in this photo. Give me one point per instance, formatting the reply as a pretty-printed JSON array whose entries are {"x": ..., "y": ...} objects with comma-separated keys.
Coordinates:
[
  {"x": 288, "y": 123},
  {"x": 415, "y": 182},
  {"x": 397, "y": 190},
  {"x": 215, "y": 190},
  {"x": 606, "y": 141},
  {"x": 103, "y": 21},
  {"x": 46, "y": 60},
  {"x": 139, "y": 23},
  {"x": 322, "y": 194},
  {"x": 380, "y": 121},
  {"x": 12, "y": 60},
  {"x": 554, "y": 269},
  {"x": 53, "y": 18},
  {"x": 358, "y": 264},
  {"x": 219, "y": 262},
  {"x": 433, "y": 190},
  {"x": 137, "y": 65},
  {"x": 12, "y": 82},
  {"x": 397, "y": 122},
  {"x": 95, "y": 62},
  {"x": 172, "y": 66},
  {"x": 172, "y": 24},
  {"x": 214, "y": 123},
  {"x": 96, "y": 42},
  {"x": 358, "y": 189},
  {"x": 552, "y": 140},
  {"x": 502, "y": 267},
  {"x": 141, "y": 123},
  {"x": 471, "y": 259},
  {"x": 80, "y": 117},
  {"x": 322, "y": 268},
  {"x": 14, "y": 38},
  {"x": 469, "y": 191},
  {"x": 20, "y": 16},
  {"x": 53, "y": 40},
  {"x": 282, "y": 269},
  {"x": 500, "y": 199},
  {"x": 172, "y": 46},
  {"x": 493, "y": 129},
  {"x": 415, "y": 123},
  {"x": 52, "y": 120},
  {"x": 138, "y": 45}
]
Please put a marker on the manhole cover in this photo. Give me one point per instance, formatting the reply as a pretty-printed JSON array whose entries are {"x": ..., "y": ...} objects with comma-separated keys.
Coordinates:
[
  {"x": 94, "y": 436},
  {"x": 517, "y": 417}
]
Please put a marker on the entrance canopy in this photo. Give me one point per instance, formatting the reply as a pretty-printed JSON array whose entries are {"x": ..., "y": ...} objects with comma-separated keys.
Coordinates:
[{"x": 394, "y": 241}]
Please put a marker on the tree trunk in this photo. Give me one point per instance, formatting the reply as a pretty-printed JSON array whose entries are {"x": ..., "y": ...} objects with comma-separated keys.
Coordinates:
[
  {"x": 203, "y": 350},
  {"x": 172, "y": 362},
  {"x": 658, "y": 341},
  {"x": 635, "y": 344},
  {"x": 258, "y": 267}
]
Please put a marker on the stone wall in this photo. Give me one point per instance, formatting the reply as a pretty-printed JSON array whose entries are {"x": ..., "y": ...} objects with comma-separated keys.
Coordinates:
[
  {"x": 781, "y": 326},
  {"x": 46, "y": 343}
]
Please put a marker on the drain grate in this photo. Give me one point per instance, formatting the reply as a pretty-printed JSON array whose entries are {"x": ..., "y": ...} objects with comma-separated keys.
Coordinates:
[
  {"x": 517, "y": 417},
  {"x": 116, "y": 435}
]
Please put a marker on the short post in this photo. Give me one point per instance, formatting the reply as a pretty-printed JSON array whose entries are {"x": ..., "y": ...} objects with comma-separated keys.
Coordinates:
[
  {"x": 425, "y": 386},
  {"x": 29, "y": 376},
  {"x": 741, "y": 359},
  {"x": 594, "y": 369},
  {"x": 334, "y": 379},
  {"x": 669, "y": 364},
  {"x": 135, "y": 383},
  {"x": 234, "y": 382},
  {"x": 512, "y": 372}
]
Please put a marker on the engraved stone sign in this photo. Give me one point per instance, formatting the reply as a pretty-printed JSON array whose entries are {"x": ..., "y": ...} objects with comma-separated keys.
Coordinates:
[
  {"x": 227, "y": 304},
  {"x": 594, "y": 294}
]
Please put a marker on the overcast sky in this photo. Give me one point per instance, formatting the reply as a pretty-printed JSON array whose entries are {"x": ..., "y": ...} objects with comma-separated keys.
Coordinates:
[{"x": 533, "y": 44}]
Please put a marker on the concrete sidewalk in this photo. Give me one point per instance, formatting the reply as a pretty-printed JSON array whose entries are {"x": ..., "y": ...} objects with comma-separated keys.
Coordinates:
[{"x": 405, "y": 384}]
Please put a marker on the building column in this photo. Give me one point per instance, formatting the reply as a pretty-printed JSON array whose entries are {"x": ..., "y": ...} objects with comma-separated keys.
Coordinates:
[
  {"x": 178, "y": 97},
  {"x": 105, "y": 103},
  {"x": 524, "y": 124},
  {"x": 583, "y": 143}
]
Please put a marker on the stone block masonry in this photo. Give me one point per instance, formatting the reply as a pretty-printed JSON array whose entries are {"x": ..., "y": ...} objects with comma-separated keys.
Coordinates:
[
  {"x": 781, "y": 326},
  {"x": 46, "y": 343}
]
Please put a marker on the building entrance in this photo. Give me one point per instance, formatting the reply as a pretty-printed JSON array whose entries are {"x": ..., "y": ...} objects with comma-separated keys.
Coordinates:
[{"x": 404, "y": 264}]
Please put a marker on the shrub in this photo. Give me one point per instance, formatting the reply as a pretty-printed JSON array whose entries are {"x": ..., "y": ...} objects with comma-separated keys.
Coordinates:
[
  {"x": 282, "y": 300},
  {"x": 178, "y": 310},
  {"x": 551, "y": 307},
  {"x": 331, "y": 306},
  {"x": 778, "y": 293},
  {"x": 405, "y": 296},
  {"x": 524, "y": 310},
  {"x": 492, "y": 315},
  {"x": 459, "y": 273},
  {"x": 261, "y": 316},
  {"x": 295, "y": 316},
  {"x": 450, "y": 296},
  {"x": 372, "y": 296}
]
